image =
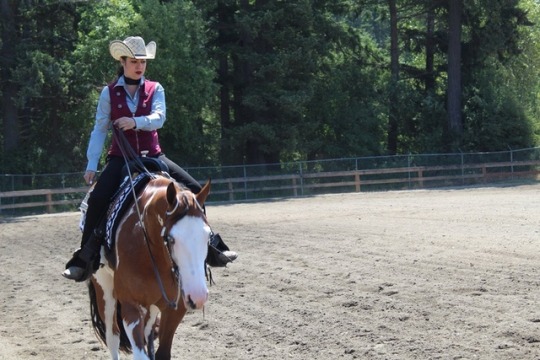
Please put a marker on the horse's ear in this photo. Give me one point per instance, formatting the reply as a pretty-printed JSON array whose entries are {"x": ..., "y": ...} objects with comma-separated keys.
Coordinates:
[
  {"x": 171, "y": 194},
  {"x": 203, "y": 194}
]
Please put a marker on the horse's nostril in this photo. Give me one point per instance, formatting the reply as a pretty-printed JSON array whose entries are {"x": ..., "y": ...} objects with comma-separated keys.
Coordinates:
[{"x": 191, "y": 303}]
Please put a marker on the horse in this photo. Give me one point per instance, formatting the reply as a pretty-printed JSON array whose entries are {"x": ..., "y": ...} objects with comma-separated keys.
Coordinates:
[{"x": 154, "y": 272}]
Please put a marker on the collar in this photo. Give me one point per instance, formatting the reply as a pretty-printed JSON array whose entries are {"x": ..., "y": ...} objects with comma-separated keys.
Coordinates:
[{"x": 122, "y": 82}]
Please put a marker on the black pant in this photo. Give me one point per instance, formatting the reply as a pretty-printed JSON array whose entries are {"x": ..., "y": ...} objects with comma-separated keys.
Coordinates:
[{"x": 109, "y": 181}]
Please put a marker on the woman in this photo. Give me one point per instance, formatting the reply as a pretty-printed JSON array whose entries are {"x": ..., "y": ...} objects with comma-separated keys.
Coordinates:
[{"x": 135, "y": 106}]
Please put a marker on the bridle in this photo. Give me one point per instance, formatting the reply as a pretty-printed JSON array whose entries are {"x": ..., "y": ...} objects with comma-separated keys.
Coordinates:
[{"x": 172, "y": 217}]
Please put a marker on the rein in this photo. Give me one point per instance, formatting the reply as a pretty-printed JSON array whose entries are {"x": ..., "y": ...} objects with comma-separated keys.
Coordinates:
[{"x": 129, "y": 154}]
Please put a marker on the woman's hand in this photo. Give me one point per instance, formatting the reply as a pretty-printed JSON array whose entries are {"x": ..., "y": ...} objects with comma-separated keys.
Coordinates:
[
  {"x": 125, "y": 123},
  {"x": 89, "y": 177}
]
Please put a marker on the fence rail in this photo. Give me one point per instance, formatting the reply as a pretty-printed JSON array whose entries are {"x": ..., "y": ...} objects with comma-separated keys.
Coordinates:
[
  {"x": 306, "y": 183},
  {"x": 46, "y": 195}
]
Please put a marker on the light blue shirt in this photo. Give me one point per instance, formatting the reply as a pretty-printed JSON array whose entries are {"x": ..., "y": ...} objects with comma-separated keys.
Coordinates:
[{"x": 153, "y": 121}]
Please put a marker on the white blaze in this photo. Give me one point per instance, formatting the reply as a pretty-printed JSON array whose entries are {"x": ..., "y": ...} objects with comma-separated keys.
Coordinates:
[{"x": 189, "y": 252}]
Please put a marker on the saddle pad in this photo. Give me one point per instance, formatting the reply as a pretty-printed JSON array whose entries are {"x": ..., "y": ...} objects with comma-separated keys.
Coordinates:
[{"x": 121, "y": 201}]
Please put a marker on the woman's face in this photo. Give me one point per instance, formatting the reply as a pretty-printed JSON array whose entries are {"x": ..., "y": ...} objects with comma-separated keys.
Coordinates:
[{"x": 134, "y": 68}]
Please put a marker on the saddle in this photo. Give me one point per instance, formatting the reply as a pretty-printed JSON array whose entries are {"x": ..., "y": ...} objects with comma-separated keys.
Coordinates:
[
  {"x": 104, "y": 235},
  {"x": 133, "y": 167},
  {"x": 140, "y": 170},
  {"x": 121, "y": 201},
  {"x": 144, "y": 164}
]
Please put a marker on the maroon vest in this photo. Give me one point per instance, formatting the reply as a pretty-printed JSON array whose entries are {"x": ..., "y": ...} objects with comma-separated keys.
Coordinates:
[{"x": 139, "y": 140}]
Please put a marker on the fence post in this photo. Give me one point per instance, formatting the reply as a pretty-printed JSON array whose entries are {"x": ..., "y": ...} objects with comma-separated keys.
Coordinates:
[
  {"x": 245, "y": 180},
  {"x": 512, "y": 161},
  {"x": 231, "y": 191},
  {"x": 49, "y": 202},
  {"x": 409, "y": 167},
  {"x": 462, "y": 167},
  {"x": 301, "y": 178},
  {"x": 357, "y": 181}
]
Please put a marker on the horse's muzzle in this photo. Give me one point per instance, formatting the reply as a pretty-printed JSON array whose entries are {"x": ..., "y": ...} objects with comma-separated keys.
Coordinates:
[{"x": 196, "y": 302}]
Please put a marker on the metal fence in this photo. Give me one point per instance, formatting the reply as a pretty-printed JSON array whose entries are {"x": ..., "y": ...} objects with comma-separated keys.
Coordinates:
[
  {"x": 252, "y": 182},
  {"x": 279, "y": 185}
]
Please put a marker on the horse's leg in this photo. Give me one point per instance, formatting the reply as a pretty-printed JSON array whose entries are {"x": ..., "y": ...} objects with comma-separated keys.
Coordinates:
[
  {"x": 133, "y": 316},
  {"x": 107, "y": 309},
  {"x": 150, "y": 346},
  {"x": 170, "y": 319},
  {"x": 149, "y": 332}
]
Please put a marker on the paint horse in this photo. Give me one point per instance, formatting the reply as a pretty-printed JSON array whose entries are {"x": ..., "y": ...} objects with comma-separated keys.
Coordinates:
[{"x": 154, "y": 272}]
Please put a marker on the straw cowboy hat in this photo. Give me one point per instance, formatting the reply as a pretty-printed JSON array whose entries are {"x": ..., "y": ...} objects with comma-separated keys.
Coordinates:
[{"x": 132, "y": 47}]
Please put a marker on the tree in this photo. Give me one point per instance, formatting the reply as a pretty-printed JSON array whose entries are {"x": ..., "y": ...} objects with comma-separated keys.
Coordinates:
[
  {"x": 268, "y": 81},
  {"x": 9, "y": 89},
  {"x": 191, "y": 134},
  {"x": 437, "y": 76},
  {"x": 348, "y": 112},
  {"x": 269, "y": 53},
  {"x": 37, "y": 40},
  {"x": 454, "y": 67},
  {"x": 393, "y": 113}
]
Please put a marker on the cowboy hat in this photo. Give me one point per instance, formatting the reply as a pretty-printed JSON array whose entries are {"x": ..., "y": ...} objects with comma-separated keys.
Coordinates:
[{"x": 132, "y": 47}]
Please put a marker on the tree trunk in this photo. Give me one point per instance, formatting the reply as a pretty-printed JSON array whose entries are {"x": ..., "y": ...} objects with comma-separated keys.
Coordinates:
[
  {"x": 454, "y": 68},
  {"x": 224, "y": 81},
  {"x": 393, "y": 108},
  {"x": 10, "y": 112},
  {"x": 244, "y": 114},
  {"x": 429, "y": 82}
]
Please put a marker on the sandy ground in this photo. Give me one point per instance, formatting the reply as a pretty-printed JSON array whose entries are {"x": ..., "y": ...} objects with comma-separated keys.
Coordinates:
[{"x": 437, "y": 274}]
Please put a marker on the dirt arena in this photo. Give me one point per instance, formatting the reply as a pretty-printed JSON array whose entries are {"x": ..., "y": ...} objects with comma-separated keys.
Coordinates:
[{"x": 436, "y": 274}]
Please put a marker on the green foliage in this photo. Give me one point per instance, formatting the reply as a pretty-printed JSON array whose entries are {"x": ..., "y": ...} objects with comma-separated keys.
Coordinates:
[
  {"x": 500, "y": 77},
  {"x": 270, "y": 81},
  {"x": 495, "y": 116},
  {"x": 274, "y": 52},
  {"x": 44, "y": 39},
  {"x": 346, "y": 112},
  {"x": 182, "y": 66},
  {"x": 499, "y": 91}
]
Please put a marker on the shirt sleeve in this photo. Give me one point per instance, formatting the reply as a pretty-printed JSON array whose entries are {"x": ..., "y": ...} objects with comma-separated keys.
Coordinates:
[
  {"x": 156, "y": 118},
  {"x": 100, "y": 131}
]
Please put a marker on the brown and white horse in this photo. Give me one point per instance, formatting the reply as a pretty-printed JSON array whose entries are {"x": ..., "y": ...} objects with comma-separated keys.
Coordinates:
[{"x": 156, "y": 270}]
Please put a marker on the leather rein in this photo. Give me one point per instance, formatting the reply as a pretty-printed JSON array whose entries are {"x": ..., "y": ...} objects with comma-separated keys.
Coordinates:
[{"x": 129, "y": 154}]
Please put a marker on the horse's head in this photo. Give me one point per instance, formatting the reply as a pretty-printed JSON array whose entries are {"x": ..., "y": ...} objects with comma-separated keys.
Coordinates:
[{"x": 188, "y": 233}]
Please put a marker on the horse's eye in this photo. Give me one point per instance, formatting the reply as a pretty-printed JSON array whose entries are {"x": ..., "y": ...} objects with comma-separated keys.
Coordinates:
[{"x": 170, "y": 239}]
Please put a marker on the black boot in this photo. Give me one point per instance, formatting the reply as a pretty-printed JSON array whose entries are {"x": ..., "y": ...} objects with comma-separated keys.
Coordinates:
[
  {"x": 85, "y": 260},
  {"x": 219, "y": 254}
]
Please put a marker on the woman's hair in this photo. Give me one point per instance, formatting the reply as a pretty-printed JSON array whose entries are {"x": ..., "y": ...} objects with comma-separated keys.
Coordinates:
[{"x": 120, "y": 71}]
